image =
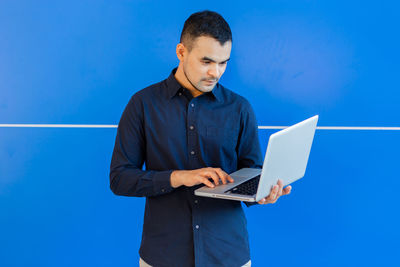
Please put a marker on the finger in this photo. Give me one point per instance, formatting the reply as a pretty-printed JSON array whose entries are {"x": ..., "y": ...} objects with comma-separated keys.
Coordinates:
[
  {"x": 205, "y": 181},
  {"x": 287, "y": 190},
  {"x": 276, "y": 192},
  {"x": 222, "y": 175},
  {"x": 262, "y": 201},
  {"x": 280, "y": 184},
  {"x": 213, "y": 175},
  {"x": 273, "y": 193},
  {"x": 266, "y": 201}
]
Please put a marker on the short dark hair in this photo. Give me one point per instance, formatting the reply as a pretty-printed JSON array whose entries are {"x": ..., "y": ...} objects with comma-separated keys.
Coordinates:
[{"x": 205, "y": 23}]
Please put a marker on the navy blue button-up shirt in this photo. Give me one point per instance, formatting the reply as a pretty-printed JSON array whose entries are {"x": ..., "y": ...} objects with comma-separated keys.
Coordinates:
[{"x": 167, "y": 129}]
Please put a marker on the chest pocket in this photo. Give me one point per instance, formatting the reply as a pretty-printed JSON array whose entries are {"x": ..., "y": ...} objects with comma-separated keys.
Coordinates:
[{"x": 222, "y": 137}]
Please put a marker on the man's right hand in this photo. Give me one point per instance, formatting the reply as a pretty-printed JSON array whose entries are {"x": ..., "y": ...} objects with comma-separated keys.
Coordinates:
[{"x": 199, "y": 176}]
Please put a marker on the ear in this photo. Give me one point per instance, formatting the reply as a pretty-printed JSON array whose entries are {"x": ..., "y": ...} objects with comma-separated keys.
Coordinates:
[{"x": 181, "y": 51}]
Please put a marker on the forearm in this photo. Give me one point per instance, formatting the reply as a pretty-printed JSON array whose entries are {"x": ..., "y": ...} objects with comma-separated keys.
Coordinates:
[{"x": 125, "y": 181}]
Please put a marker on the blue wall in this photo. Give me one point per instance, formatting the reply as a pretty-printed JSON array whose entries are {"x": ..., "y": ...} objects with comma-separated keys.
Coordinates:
[{"x": 78, "y": 62}]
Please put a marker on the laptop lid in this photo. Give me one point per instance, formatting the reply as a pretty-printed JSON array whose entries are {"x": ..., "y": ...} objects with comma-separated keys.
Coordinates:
[{"x": 287, "y": 155}]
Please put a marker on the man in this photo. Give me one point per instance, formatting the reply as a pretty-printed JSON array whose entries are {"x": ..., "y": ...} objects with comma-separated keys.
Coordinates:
[{"x": 189, "y": 131}]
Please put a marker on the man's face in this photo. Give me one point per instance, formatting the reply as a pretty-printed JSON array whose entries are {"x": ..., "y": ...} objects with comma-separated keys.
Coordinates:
[{"x": 204, "y": 65}]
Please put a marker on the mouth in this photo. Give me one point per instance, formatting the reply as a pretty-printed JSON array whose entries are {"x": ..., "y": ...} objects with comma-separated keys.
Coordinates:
[{"x": 210, "y": 82}]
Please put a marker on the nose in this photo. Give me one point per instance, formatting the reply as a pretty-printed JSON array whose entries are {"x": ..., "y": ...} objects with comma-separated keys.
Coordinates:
[{"x": 213, "y": 71}]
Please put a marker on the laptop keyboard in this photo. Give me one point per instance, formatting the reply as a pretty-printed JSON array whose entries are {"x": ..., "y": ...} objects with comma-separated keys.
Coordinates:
[{"x": 247, "y": 188}]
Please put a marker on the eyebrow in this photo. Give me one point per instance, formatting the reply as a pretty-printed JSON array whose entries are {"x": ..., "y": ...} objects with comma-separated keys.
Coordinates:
[{"x": 212, "y": 60}]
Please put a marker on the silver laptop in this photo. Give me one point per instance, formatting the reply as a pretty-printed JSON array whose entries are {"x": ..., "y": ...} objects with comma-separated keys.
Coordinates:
[{"x": 286, "y": 159}]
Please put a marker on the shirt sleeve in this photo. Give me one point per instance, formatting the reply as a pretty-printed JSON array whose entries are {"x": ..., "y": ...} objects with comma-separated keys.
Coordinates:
[
  {"x": 248, "y": 149},
  {"x": 126, "y": 175}
]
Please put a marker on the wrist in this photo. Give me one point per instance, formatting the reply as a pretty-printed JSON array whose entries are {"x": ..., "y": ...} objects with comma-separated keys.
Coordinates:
[{"x": 175, "y": 179}]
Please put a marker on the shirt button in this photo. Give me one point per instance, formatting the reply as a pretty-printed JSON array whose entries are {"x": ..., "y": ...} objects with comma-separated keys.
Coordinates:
[
  {"x": 192, "y": 105},
  {"x": 191, "y": 127},
  {"x": 197, "y": 226},
  {"x": 163, "y": 190},
  {"x": 192, "y": 152},
  {"x": 180, "y": 94},
  {"x": 196, "y": 201}
]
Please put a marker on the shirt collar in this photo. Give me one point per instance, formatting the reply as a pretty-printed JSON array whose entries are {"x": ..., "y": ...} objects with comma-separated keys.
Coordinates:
[
  {"x": 174, "y": 87},
  {"x": 217, "y": 92}
]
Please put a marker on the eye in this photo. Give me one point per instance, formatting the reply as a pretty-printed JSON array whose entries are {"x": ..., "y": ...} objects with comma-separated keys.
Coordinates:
[{"x": 206, "y": 62}]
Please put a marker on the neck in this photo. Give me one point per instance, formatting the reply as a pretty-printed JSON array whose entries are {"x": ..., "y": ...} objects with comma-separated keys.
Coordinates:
[{"x": 184, "y": 81}]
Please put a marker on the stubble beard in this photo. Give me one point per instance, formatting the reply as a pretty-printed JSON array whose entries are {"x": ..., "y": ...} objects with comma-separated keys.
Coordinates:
[{"x": 198, "y": 89}]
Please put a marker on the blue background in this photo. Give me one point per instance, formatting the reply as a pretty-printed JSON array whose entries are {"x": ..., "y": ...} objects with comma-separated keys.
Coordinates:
[{"x": 78, "y": 62}]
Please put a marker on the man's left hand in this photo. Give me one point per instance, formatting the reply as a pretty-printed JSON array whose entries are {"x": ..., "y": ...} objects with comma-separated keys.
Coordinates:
[{"x": 276, "y": 192}]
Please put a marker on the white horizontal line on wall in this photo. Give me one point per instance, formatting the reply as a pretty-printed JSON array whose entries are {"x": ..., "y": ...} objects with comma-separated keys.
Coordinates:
[
  {"x": 98, "y": 126},
  {"x": 57, "y": 126},
  {"x": 338, "y": 128}
]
